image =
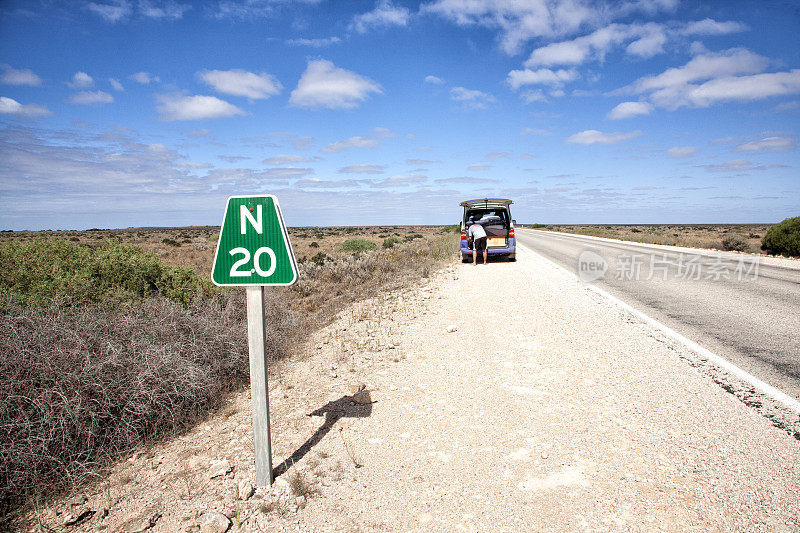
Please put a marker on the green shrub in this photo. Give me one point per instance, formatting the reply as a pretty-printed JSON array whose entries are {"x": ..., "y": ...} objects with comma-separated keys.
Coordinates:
[
  {"x": 41, "y": 273},
  {"x": 391, "y": 241},
  {"x": 783, "y": 238},
  {"x": 455, "y": 228},
  {"x": 320, "y": 258},
  {"x": 536, "y": 226},
  {"x": 170, "y": 242},
  {"x": 314, "y": 244},
  {"x": 413, "y": 236},
  {"x": 735, "y": 242},
  {"x": 357, "y": 245}
]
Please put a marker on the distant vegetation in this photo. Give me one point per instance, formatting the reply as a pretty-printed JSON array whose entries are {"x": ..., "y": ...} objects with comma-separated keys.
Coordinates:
[{"x": 783, "y": 238}]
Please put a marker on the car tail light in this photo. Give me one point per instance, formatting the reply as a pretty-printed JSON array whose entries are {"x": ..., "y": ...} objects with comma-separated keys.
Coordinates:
[
  {"x": 511, "y": 233},
  {"x": 463, "y": 235}
]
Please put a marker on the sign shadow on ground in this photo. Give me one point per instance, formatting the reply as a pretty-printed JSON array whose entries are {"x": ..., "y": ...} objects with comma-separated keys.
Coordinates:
[{"x": 344, "y": 407}]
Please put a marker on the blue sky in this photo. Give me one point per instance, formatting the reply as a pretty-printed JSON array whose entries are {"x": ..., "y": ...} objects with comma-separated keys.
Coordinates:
[{"x": 149, "y": 113}]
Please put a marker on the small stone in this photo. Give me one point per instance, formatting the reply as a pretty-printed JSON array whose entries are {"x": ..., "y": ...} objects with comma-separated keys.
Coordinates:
[
  {"x": 219, "y": 468},
  {"x": 544, "y": 455},
  {"x": 452, "y": 329},
  {"x": 357, "y": 387},
  {"x": 392, "y": 387},
  {"x": 246, "y": 490},
  {"x": 334, "y": 375},
  {"x": 74, "y": 518},
  {"x": 300, "y": 501},
  {"x": 424, "y": 518},
  {"x": 214, "y": 522},
  {"x": 362, "y": 398},
  {"x": 395, "y": 343},
  {"x": 140, "y": 523}
]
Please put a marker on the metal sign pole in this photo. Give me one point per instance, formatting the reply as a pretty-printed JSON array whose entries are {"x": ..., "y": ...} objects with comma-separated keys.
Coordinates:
[{"x": 258, "y": 385}]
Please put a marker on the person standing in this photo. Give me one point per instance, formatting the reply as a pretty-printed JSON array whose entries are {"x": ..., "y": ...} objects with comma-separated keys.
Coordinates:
[{"x": 478, "y": 235}]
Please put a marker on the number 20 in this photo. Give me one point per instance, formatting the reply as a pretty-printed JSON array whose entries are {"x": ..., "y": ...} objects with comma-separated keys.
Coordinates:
[{"x": 235, "y": 272}]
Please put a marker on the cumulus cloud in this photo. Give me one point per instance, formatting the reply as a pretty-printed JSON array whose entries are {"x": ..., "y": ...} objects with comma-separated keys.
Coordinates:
[
  {"x": 9, "y": 106},
  {"x": 116, "y": 84},
  {"x": 630, "y": 109},
  {"x": 176, "y": 107},
  {"x": 325, "y": 85},
  {"x": 11, "y": 76},
  {"x": 520, "y": 22},
  {"x": 590, "y": 137},
  {"x": 81, "y": 80},
  {"x": 112, "y": 11},
  {"x": 90, "y": 98},
  {"x": 162, "y": 10},
  {"x": 544, "y": 76},
  {"x": 682, "y": 152},
  {"x": 384, "y": 14},
  {"x": 768, "y": 144},
  {"x": 239, "y": 82},
  {"x": 715, "y": 77},
  {"x": 712, "y": 27},
  {"x": 145, "y": 78},
  {"x": 362, "y": 169},
  {"x": 314, "y": 43},
  {"x": 471, "y": 98},
  {"x": 284, "y": 159},
  {"x": 434, "y": 80}
]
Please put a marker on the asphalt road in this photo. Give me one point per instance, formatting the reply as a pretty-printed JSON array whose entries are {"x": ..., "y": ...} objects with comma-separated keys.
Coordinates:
[{"x": 745, "y": 312}]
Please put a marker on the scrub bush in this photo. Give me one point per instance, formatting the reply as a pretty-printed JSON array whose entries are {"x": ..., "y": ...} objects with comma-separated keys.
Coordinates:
[
  {"x": 734, "y": 242},
  {"x": 357, "y": 245},
  {"x": 783, "y": 238},
  {"x": 391, "y": 241}
]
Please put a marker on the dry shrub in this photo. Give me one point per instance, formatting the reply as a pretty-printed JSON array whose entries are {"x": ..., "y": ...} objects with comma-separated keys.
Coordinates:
[{"x": 82, "y": 388}]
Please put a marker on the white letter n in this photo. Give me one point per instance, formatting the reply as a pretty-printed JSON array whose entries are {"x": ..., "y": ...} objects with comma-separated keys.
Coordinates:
[{"x": 256, "y": 222}]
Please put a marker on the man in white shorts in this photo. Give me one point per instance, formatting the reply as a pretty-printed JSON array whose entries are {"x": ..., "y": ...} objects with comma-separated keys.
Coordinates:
[{"x": 478, "y": 235}]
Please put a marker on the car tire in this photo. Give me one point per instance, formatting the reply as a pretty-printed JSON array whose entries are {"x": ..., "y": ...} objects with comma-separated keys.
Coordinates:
[
  {"x": 512, "y": 257},
  {"x": 466, "y": 258}
]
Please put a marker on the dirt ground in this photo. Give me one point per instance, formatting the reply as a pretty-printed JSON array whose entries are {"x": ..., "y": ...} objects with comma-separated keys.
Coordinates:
[{"x": 502, "y": 397}]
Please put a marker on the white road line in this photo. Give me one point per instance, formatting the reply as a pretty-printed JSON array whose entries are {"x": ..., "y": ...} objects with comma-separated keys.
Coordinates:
[{"x": 717, "y": 360}]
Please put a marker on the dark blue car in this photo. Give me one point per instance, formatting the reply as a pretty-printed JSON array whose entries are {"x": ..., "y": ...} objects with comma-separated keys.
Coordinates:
[{"x": 494, "y": 214}]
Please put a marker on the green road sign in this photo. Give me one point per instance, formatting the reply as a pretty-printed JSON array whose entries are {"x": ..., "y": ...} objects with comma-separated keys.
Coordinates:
[{"x": 253, "y": 248}]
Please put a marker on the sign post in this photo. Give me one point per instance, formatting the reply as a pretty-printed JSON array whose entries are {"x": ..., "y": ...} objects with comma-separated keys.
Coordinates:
[{"x": 254, "y": 251}]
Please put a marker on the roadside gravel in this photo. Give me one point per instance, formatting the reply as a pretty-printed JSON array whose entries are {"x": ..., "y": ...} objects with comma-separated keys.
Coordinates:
[{"x": 507, "y": 397}]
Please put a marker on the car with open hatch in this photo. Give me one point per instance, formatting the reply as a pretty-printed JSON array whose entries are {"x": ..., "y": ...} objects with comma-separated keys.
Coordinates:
[{"x": 494, "y": 214}]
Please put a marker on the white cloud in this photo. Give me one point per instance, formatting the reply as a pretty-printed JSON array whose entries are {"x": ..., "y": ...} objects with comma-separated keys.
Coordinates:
[
  {"x": 145, "y": 78},
  {"x": 324, "y": 85},
  {"x": 239, "y": 82},
  {"x": 712, "y": 27},
  {"x": 9, "y": 106},
  {"x": 81, "y": 80},
  {"x": 471, "y": 98},
  {"x": 111, "y": 12},
  {"x": 284, "y": 159},
  {"x": 465, "y": 180},
  {"x": 288, "y": 172},
  {"x": 400, "y": 181},
  {"x": 478, "y": 167},
  {"x": 352, "y": 142},
  {"x": 13, "y": 76},
  {"x": 521, "y": 21},
  {"x": 315, "y": 183},
  {"x": 676, "y": 87},
  {"x": 362, "y": 169},
  {"x": 90, "y": 98},
  {"x": 314, "y": 43},
  {"x": 162, "y": 10},
  {"x": 650, "y": 42},
  {"x": 768, "y": 144},
  {"x": 533, "y": 95},
  {"x": 630, "y": 109},
  {"x": 434, "y": 80},
  {"x": 544, "y": 76},
  {"x": 195, "y": 108},
  {"x": 384, "y": 14},
  {"x": 116, "y": 84},
  {"x": 682, "y": 152},
  {"x": 251, "y": 9},
  {"x": 590, "y": 137},
  {"x": 739, "y": 165},
  {"x": 196, "y": 134}
]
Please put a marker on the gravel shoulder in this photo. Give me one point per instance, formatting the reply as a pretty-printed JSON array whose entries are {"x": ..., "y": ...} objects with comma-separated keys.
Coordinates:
[{"x": 505, "y": 397}]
